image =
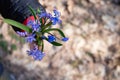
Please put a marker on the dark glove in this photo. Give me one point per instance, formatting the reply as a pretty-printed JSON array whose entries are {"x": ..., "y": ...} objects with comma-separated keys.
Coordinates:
[
  {"x": 116, "y": 2},
  {"x": 18, "y": 9}
]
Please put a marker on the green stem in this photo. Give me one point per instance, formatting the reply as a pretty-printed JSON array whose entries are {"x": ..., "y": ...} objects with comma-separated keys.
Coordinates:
[
  {"x": 42, "y": 46},
  {"x": 45, "y": 26},
  {"x": 54, "y": 29}
]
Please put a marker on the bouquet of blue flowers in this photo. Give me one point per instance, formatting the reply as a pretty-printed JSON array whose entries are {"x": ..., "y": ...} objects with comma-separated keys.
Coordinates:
[{"x": 39, "y": 29}]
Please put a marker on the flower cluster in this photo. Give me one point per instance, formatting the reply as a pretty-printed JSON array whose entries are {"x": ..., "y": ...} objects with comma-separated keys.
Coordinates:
[
  {"x": 40, "y": 31},
  {"x": 36, "y": 53}
]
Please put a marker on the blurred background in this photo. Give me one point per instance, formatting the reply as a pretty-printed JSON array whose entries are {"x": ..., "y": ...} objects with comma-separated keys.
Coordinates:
[{"x": 92, "y": 52}]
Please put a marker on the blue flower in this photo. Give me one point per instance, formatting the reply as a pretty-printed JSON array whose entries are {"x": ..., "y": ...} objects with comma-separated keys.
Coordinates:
[
  {"x": 48, "y": 15},
  {"x": 45, "y": 15},
  {"x": 22, "y": 34},
  {"x": 30, "y": 22},
  {"x": 56, "y": 13},
  {"x": 31, "y": 38},
  {"x": 51, "y": 38},
  {"x": 55, "y": 20},
  {"x": 35, "y": 25},
  {"x": 36, "y": 54},
  {"x": 65, "y": 39}
]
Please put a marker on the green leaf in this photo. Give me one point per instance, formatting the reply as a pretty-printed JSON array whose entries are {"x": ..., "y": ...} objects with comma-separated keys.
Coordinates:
[
  {"x": 54, "y": 29},
  {"x": 40, "y": 20},
  {"x": 56, "y": 44},
  {"x": 33, "y": 12},
  {"x": 49, "y": 24},
  {"x": 18, "y": 25}
]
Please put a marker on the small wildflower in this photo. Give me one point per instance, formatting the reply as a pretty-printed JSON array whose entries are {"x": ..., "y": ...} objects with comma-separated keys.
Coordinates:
[
  {"x": 40, "y": 29},
  {"x": 29, "y": 23},
  {"x": 35, "y": 25},
  {"x": 65, "y": 39},
  {"x": 55, "y": 20},
  {"x": 49, "y": 15},
  {"x": 31, "y": 38},
  {"x": 36, "y": 54},
  {"x": 56, "y": 13},
  {"x": 51, "y": 38},
  {"x": 22, "y": 34},
  {"x": 45, "y": 15}
]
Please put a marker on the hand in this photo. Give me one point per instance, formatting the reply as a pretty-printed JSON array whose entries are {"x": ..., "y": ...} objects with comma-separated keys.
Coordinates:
[
  {"x": 18, "y": 9},
  {"x": 116, "y": 2}
]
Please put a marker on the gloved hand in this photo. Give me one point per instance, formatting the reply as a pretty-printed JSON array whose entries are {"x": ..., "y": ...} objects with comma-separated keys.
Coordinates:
[
  {"x": 18, "y": 9},
  {"x": 116, "y": 2}
]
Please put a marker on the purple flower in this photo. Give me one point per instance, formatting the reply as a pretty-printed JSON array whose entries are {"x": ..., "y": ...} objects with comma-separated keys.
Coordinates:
[
  {"x": 30, "y": 22},
  {"x": 65, "y": 39},
  {"x": 45, "y": 15},
  {"x": 51, "y": 38},
  {"x": 36, "y": 54},
  {"x": 49, "y": 15},
  {"x": 31, "y": 38},
  {"x": 56, "y": 13},
  {"x": 22, "y": 34},
  {"x": 55, "y": 20},
  {"x": 35, "y": 25}
]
